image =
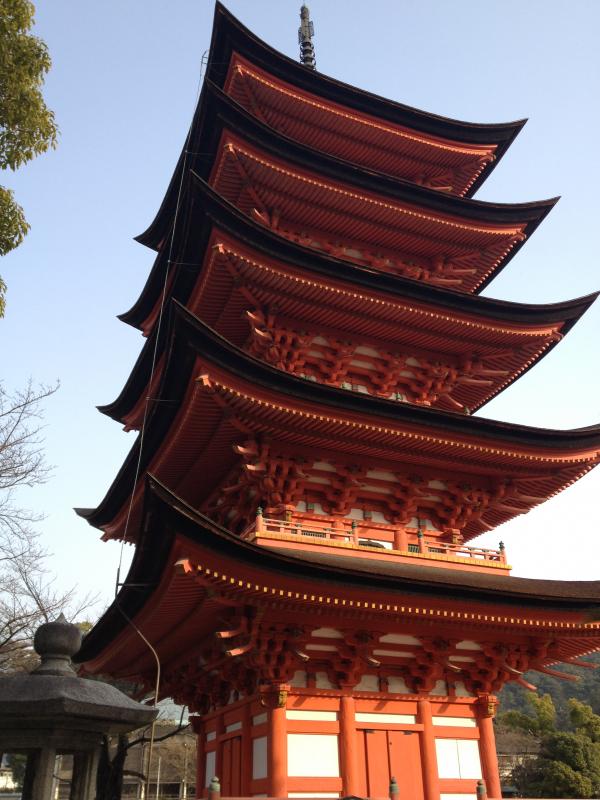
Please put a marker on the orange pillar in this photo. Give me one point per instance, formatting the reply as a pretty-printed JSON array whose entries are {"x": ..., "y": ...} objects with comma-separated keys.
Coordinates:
[
  {"x": 348, "y": 748},
  {"x": 487, "y": 747},
  {"x": 431, "y": 784},
  {"x": 277, "y": 750},
  {"x": 400, "y": 539}
]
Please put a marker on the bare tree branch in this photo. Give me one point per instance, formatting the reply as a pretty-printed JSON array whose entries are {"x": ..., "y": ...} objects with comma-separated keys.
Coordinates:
[{"x": 28, "y": 595}]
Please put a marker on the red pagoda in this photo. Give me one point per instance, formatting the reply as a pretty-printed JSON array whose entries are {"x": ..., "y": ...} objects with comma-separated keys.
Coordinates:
[{"x": 308, "y": 476}]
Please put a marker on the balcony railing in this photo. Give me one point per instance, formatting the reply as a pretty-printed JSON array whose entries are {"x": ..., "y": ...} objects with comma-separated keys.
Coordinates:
[{"x": 399, "y": 541}]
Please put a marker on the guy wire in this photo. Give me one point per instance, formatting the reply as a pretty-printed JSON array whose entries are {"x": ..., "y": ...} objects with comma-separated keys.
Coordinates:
[{"x": 142, "y": 433}]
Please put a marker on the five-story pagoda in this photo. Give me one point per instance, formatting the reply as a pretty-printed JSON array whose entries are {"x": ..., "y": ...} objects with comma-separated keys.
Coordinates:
[{"x": 308, "y": 474}]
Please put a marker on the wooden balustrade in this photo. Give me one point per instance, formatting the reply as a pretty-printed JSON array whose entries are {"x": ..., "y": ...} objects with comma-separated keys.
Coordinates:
[{"x": 353, "y": 532}]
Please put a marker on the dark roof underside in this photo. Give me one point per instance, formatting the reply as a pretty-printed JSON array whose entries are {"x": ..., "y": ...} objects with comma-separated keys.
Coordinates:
[
  {"x": 169, "y": 516},
  {"x": 230, "y": 35}
]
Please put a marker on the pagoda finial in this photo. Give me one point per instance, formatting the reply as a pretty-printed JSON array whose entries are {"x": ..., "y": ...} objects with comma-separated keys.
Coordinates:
[{"x": 306, "y": 31}]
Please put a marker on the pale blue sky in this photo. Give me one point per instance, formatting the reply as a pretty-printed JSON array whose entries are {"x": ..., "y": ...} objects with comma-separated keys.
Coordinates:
[{"x": 123, "y": 86}]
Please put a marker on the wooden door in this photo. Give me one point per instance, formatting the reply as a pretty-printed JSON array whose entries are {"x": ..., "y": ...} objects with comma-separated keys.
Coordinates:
[
  {"x": 231, "y": 782},
  {"x": 393, "y": 754},
  {"x": 405, "y": 763},
  {"x": 377, "y": 763}
]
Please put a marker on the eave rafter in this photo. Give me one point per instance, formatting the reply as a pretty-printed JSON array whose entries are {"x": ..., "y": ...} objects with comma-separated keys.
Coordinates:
[
  {"x": 369, "y": 116},
  {"x": 243, "y": 637},
  {"x": 200, "y": 573},
  {"x": 360, "y": 228},
  {"x": 233, "y": 265},
  {"x": 217, "y": 114},
  {"x": 451, "y": 491},
  {"x": 258, "y": 650},
  {"x": 250, "y": 400},
  {"x": 277, "y": 477},
  {"x": 429, "y": 161},
  {"x": 401, "y": 375}
]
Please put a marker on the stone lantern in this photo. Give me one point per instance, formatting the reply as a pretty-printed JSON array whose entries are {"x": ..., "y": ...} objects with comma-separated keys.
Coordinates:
[{"x": 51, "y": 712}]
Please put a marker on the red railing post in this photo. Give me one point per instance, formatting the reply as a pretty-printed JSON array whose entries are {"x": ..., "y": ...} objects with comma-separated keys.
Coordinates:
[
  {"x": 260, "y": 524},
  {"x": 502, "y": 552}
]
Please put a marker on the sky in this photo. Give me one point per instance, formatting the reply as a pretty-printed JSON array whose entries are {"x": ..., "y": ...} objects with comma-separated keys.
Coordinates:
[{"x": 123, "y": 86}]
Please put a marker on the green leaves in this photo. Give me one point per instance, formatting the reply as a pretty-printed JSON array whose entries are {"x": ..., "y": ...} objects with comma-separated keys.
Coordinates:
[
  {"x": 543, "y": 721},
  {"x": 583, "y": 720},
  {"x": 568, "y": 764},
  {"x": 548, "y": 778},
  {"x": 13, "y": 225},
  {"x": 27, "y": 126}
]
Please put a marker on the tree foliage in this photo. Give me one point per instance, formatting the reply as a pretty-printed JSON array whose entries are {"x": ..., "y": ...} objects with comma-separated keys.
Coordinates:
[
  {"x": 27, "y": 126},
  {"x": 27, "y": 596},
  {"x": 586, "y": 690},
  {"x": 542, "y": 720},
  {"x": 568, "y": 763},
  {"x": 583, "y": 720}
]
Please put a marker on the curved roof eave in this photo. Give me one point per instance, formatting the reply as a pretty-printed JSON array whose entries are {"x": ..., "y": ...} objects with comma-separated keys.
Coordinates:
[
  {"x": 190, "y": 337},
  {"x": 215, "y": 111},
  {"x": 230, "y": 34},
  {"x": 221, "y": 213},
  {"x": 237, "y": 223},
  {"x": 150, "y": 561}
]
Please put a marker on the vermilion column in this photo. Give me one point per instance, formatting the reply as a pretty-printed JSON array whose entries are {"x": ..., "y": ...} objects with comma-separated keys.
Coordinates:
[
  {"x": 487, "y": 747},
  {"x": 277, "y": 745},
  {"x": 348, "y": 748},
  {"x": 400, "y": 539},
  {"x": 431, "y": 784}
]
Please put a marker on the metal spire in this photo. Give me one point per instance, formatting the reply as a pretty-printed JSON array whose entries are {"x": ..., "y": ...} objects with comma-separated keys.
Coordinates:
[{"x": 305, "y": 33}]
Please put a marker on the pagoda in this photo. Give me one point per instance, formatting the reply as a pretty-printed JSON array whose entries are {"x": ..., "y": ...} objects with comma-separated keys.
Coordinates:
[{"x": 308, "y": 477}]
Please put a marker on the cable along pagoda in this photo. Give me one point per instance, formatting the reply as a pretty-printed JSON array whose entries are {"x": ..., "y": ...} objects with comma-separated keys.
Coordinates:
[{"x": 310, "y": 473}]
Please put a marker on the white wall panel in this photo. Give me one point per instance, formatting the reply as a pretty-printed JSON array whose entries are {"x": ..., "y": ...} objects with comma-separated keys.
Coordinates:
[
  {"x": 458, "y": 758},
  {"x": 399, "y": 638},
  {"x": 368, "y": 683},
  {"x": 330, "y": 633},
  {"x": 447, "y": 758},
  {"x": 397, "y": 685},
  {"x": 323, "y": 716},
  {"x": 259, "y": 758},
  {"x": 455, "y": 722},
  {"x": 313, "y": 755},
  {"x": 210, "y": 765},
  {"x": 299, "y": 679},
  {"x": 322, "y": 681},
  {"x": 468, "y": 757},
  {"x": 461, "y": 690},
  {"x": 394, "y": 719},
  {"x": 458, "y": 797},
  {"x": 440, "y": 689}
]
